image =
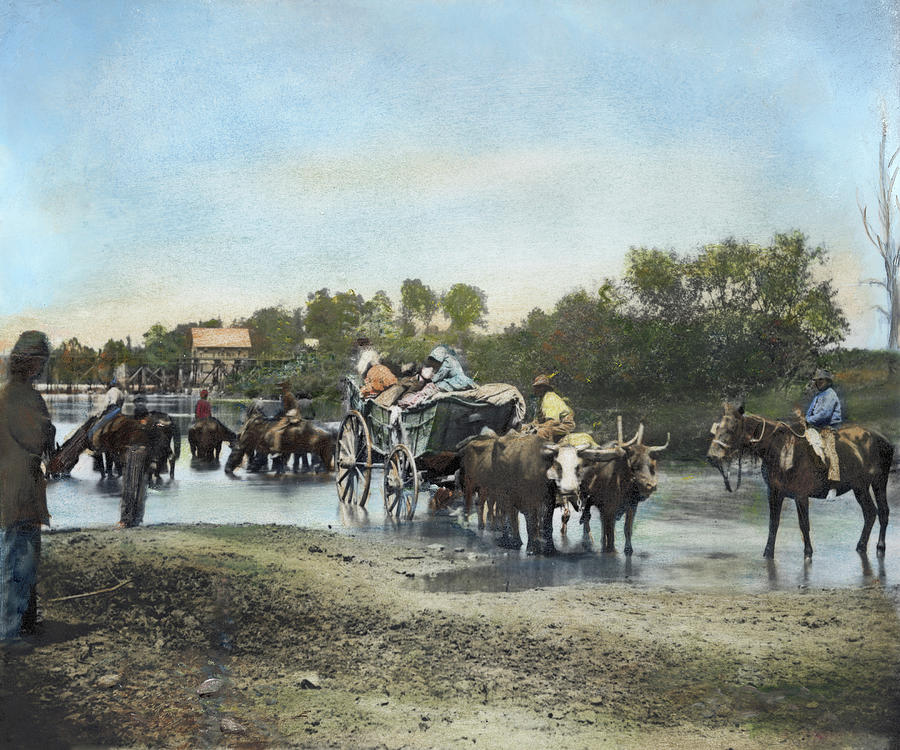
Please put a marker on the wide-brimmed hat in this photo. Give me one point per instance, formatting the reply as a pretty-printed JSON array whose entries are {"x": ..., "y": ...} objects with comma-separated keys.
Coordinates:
[
  {"x": 822, "y": 374},
  {"x": 204, "y": 393},
  {"x": 31, "y": 344},
  {"x": 285, "y": 384},
  {"x": 541, "y": 380}
]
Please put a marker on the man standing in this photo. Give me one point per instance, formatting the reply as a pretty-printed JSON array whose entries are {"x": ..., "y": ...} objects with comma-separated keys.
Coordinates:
[{"x": 26, "y": 432}]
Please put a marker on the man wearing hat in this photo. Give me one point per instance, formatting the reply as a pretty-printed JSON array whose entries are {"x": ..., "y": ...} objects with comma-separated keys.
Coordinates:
[
  {"x": 825, "y": 408},
  {"x": 824, "y": 415},
  {"x": 26, "y": 433},
  {"x": 554, "y": 417}
]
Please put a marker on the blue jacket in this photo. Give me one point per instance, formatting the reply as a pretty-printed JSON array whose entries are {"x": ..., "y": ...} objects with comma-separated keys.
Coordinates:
[
  {"x": 825, "y": 409},
  {"x": 450, "y": 376}
]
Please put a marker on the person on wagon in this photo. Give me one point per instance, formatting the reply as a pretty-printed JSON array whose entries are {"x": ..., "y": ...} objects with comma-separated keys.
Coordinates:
[
  {"x": 443, "y": 368},
  {"x": 554, "y": 417},
  {"x": 376, "y": 376}
]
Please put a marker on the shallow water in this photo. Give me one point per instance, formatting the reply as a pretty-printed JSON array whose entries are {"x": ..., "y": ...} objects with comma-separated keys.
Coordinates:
[{"x": 690, "y": 534}]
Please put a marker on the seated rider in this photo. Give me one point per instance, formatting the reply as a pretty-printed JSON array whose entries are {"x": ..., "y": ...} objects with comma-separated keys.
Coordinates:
[
  {"x": 203, "y": 409},
  {"x": 825, "y": 408},
  {"x": 291, "y": 415},
  {"x": 824, "y": 415},
  {"x": 554, "y": 417}
]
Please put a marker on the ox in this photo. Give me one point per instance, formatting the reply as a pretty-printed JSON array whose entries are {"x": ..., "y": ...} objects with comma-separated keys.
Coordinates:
[
  {"x": 205, "y": 436},
  {"x": 616, "y": 487},
  {"x": 530, "y": 476},
  {"x": 790, "y": 468}
]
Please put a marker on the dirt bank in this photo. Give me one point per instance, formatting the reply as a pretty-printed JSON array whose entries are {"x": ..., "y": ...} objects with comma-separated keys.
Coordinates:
[{"x": 326, "y": 640}]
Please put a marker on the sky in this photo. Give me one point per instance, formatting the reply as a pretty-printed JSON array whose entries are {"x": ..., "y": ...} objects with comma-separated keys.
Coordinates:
[{"x": 174, "y": 162}]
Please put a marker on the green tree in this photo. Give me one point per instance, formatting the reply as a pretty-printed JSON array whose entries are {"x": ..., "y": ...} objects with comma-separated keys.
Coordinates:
[
  {"x": 73, "y": 362},
  {"x": 378, "y": 319},
  {"x": 417, "y": 302},
  {"x": 162, "y": 346},
  {"x": 333, "y": 320},
  {"x": 274, "y": 331},
  {"x": 113, "y": 354},
  {"x": 465, "y": 306}
]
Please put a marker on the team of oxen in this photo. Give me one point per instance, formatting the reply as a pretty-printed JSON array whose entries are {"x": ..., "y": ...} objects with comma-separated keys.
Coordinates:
[
  {"x": 514, "y": 473},
  {"x": 504, "y": 475}
]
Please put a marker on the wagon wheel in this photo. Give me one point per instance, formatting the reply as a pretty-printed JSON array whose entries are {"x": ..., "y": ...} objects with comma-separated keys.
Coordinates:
[
  {"x": 401, "y": 483},
  {"x": 354, "y": 460}
]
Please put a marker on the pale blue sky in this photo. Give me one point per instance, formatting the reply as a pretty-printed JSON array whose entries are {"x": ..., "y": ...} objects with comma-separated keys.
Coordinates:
[{"x": 169, "y": 162}]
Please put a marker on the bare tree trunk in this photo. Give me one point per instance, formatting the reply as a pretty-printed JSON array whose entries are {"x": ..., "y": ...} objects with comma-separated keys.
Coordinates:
[{"x": 883, "y": 240}]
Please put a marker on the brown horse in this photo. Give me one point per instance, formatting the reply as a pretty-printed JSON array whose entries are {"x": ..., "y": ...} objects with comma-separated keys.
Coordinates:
[
  {"x": 205, "y": 437},
  {"x": 298, "y": 438},
  {"x": 248, "y": 444},
  {"x": 157, "y": 430},
  {"x": 790, "y": 468}
]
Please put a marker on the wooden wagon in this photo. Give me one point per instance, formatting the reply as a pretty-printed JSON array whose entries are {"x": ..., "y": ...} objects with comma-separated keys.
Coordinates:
[{"x": 416, "y": 447}]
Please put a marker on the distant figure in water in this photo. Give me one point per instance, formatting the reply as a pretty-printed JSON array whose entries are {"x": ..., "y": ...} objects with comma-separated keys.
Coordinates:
[{"x": 203, "y": 410}]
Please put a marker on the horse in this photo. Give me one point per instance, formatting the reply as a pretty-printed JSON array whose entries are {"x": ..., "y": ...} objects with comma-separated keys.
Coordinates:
[
  {"x": 298, "y": 438},
  {"x": 205, "y": 437},
  {"x": 248, "y": 441},
  {"x": 790, "y": 468},
  {"x": 156, "y": 429}
]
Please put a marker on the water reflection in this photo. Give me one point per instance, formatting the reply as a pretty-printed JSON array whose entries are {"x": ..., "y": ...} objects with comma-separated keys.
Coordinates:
[{"x": 690, "y": 534}]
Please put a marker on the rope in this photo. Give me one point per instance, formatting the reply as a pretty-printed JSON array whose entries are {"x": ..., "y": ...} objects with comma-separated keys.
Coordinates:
[{"x": 90, "y": 593}]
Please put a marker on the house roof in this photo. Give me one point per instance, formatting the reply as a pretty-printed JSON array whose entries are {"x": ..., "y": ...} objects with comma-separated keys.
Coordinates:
[{"x": 221, "y": 338}]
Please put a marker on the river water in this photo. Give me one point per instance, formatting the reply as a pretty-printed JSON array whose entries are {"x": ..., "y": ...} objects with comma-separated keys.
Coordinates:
[{"x": 690, "y": 534}]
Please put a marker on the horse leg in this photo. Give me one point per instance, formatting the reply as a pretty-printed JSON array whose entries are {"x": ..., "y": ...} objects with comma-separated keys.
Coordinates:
[
  {"x": 629, "y": 522},
  {"x": 775, "y": 501},
  {"x": 802, "y": 504},
  {"x": 868, "y": 511},
  {"x": 879, "y": 489}
]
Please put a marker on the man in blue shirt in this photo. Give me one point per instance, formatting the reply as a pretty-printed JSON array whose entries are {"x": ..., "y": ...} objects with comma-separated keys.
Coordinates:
[{"x": 825, "y": 408}]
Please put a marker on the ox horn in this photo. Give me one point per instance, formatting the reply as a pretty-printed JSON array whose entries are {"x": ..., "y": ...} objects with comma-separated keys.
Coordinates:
[
  {"x": 638, "y": 437},
  {"x": 653, "y": 448},
  {"x": 621, "y": 438}
]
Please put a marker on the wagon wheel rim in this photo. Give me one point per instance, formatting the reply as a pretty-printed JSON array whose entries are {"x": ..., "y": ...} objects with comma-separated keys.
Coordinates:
[
  {"x": 354, "y": 460},
  {"x": 401, "y": 484}
]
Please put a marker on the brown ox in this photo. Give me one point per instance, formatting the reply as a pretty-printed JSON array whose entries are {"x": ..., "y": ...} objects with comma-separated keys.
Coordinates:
[
  {"x": 475, "y": 476},
  {"x": 205, "y": 436},
  {"x": 616, "y": 487},
  {"x": 531, "y": 476},
  {"x": 790, "y": 468}
]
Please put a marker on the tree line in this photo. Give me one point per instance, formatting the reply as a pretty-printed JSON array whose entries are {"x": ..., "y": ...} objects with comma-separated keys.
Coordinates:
[{"x": 731, "y": 315}]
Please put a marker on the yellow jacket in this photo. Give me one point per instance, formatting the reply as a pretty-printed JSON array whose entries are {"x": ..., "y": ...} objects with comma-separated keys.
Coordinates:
[{"x": 553, "y": 407}]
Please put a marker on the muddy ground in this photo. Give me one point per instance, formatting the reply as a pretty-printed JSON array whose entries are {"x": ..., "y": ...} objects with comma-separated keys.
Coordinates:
[{"x": 323, "y": 640}]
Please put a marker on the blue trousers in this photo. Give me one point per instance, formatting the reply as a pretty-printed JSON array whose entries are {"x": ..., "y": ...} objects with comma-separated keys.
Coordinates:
[{"x": 19, "y": 551}]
